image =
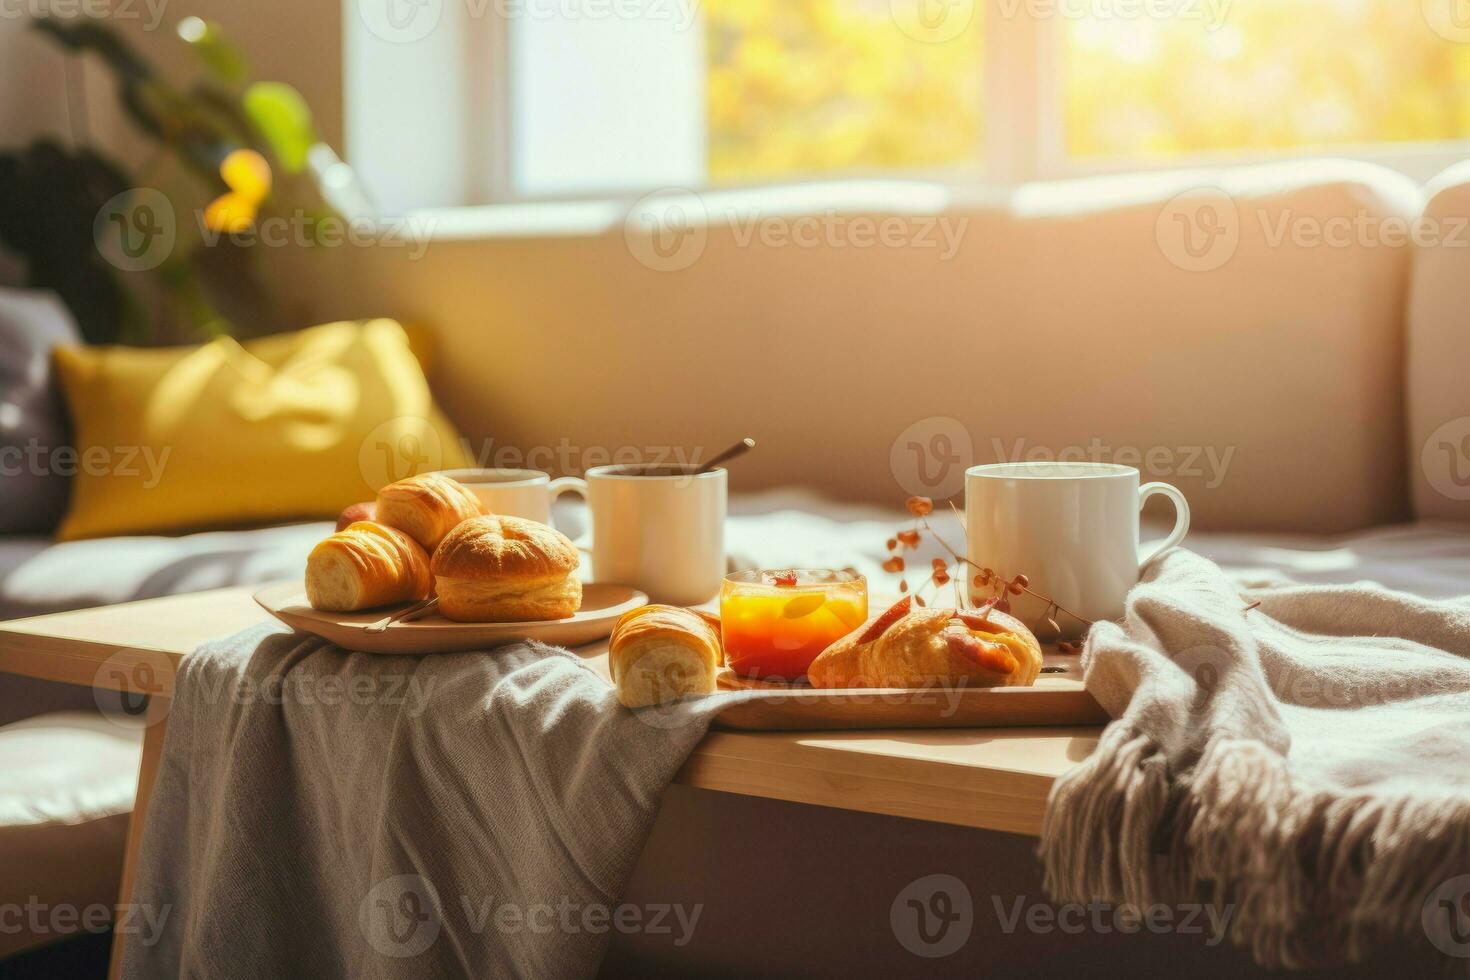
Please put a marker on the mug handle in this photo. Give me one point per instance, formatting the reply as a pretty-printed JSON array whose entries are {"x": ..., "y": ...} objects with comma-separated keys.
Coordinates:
[
  {"x": 1181, "y": 517},
  {"x": 573, "y": 484}
]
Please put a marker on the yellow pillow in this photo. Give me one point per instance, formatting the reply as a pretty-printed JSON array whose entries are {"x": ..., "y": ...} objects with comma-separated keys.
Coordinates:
[{"x": 295, "y": 425}]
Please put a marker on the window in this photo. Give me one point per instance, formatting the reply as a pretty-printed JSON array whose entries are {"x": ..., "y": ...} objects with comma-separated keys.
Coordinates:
[
  {"x": 513, "y": 100},
  {"x": 831, "y": 86},
  {"x": 1270, "y": 74}
]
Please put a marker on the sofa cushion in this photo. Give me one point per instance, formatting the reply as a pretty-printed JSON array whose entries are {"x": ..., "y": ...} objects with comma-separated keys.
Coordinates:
[
  {"x": 66, "y": 791},
  {"x": 285, "y": 427},
  {"x": 33, "y": 424},
  {"x": 39, "y": 576},
  {"x": 1439, "y": 353}
]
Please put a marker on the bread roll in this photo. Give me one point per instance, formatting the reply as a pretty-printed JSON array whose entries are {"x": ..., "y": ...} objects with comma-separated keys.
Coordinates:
[
  {"x": 353, "y": 513},
  {"x": 945, "y": 647},
  {"x": 506, "y": 569},
  {"x": 662, "y": 653},
  {"x": 364, "y": 565},
  {"x": 426, "y": 507}
]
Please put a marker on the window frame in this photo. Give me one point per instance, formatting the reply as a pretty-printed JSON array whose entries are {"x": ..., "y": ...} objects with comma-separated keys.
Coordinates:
[{"x": 1023, "y": 137}]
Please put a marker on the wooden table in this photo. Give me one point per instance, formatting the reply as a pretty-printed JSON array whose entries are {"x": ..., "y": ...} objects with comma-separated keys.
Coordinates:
[{"x": 991, "y": 778}]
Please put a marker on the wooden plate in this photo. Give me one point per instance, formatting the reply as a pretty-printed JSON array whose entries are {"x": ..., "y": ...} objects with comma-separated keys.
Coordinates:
[
  {"x": 1057, "y": 698},
  {"x": 601, "y": 607}
]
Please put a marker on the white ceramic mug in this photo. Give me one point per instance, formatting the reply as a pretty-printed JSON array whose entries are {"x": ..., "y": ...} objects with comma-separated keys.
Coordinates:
[
  {"x": 1071, "y": 528},
  {"x": 513, "y": 492},
  {"x": 658, "y": 529}
]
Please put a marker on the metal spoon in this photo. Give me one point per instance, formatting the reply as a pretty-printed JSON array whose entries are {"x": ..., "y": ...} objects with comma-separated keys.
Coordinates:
[{"x": 743, "y": 446}]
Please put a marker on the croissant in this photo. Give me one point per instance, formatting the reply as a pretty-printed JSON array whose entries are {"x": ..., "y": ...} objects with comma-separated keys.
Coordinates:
[
  {"x": 662, "y": 653},
  {"x": 364, "y": 565},
  {"x": 426, "y": 507},
  {"x": 919, "y": 647}
]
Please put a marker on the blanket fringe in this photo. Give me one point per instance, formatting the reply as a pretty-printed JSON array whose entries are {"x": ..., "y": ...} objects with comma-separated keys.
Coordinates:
[{"x": 1313, "y": 877}]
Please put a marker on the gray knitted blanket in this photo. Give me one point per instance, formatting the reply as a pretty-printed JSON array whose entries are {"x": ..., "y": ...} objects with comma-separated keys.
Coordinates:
[
  {"x": 328, "y": 814},
  {"x": 1306, "y": 763}
]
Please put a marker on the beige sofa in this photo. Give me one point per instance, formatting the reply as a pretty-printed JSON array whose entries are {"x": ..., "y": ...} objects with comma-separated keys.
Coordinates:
[{"x": 1304, "y": 385}]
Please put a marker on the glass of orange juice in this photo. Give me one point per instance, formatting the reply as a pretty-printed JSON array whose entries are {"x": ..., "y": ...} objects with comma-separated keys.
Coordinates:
[{"x": 774, "y": 623}]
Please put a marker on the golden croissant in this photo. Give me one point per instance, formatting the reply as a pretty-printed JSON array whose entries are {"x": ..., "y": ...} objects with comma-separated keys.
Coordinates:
[
  {"x": 426, "y": 507},
  {"x": 907, "y": 647},
  {"x": 366, "y": 564},
  {"x": 663, "y": 653}
]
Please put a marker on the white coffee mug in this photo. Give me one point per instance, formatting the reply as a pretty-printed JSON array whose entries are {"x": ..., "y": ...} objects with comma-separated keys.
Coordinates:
[
  {"x": 1070, "y": 528},
  {"x": 514, "y": 492},
  {"x": 658, "y": 529}
]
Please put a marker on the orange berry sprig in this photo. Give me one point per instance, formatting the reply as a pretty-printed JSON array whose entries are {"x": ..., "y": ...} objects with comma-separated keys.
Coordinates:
[{"x": 943, "y": 572}]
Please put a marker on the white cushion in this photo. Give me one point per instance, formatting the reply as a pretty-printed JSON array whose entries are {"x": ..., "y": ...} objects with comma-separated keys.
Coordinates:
[{"x": 1439, "y": 353}]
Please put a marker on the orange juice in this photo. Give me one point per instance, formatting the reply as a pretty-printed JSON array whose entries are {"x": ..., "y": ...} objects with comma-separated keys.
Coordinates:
[{"x": 774, "y": 623}]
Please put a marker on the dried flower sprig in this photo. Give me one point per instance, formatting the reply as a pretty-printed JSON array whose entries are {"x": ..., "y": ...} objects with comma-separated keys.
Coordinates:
[{"x": 957, "y": 570}]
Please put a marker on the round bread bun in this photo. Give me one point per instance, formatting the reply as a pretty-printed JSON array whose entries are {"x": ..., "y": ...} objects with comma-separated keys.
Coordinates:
[
  {"x": 496, "y": 569},
  {"x": 975, "y": 648},
  {"x": 353, "y": 513}
]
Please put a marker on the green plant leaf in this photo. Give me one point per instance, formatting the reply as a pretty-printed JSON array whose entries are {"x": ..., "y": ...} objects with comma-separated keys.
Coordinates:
[
  {"x": 281, "y": 115},
  {"x": 220, "y": 58}
]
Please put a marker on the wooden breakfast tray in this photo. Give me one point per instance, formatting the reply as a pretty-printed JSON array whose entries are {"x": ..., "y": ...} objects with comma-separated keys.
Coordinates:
[
  {"x": 602, "y": 605},
  {"x": 1057, "y": 698}
]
